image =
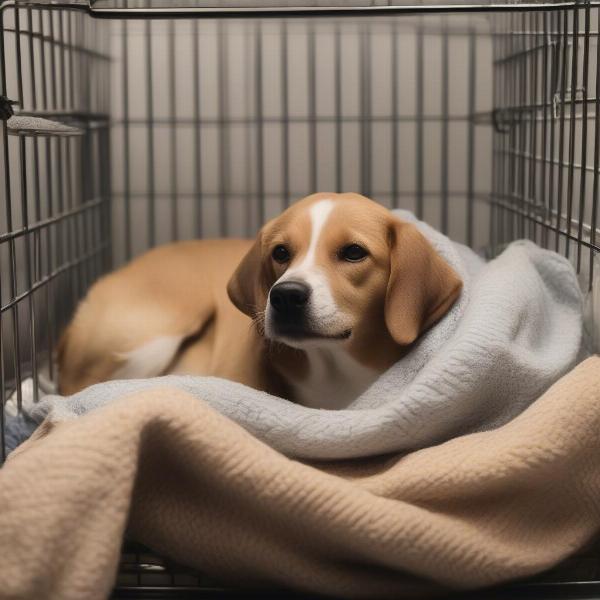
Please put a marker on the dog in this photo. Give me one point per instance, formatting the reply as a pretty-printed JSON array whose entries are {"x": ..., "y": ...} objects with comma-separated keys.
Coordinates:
[{"x": 329, "y": 295}]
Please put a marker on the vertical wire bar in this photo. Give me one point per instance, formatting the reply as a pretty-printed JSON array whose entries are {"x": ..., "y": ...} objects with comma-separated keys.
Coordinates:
[
  {"x": 128, "y": 234},
  {"x": 366, "y": 123},
  {"x": 43, "y": 59},
  {"x": 339, "y": 158},
  {"x": 419, "y": 122},
  {"x": 150, "y": 134},
  {"x": 561, "y": 134},
  {"x": 9, "y": 224},
  {"x": 49, "y": 296},
  {"x": 258, "y": 82},
  {"x": 512, "y": 101},
  {"x": 36, "y": 190},
  {"x": 572, "y": 128},
  {"x": 445, "y": 62},
  {"x": 34, "y": 106},
  {"x": 104, "y": 172},
  {"x": 62, "y": 227},
  {"x": 544, "y": 142},
  {"x": 72, "y": 47},
  {"x": 61, "y": 237},
  {"x": 19, "y": 69},
  {"x": 497, "y": 159},
  {"x": 554, "y": 24},
  {"x": 533, "y": 82},
  {"x": 36, "y": 186},
  {"x": 74, "y": 237},
  {"x": 521, "y": 195},
  {"x": 63, "y": 51},
  {"x": 28, "y": 279},
  {"x": 584, "y": 121},
  {"x": 471, "y": 157},
  {"x": 32, "y": 79},
  {"x": 285, "y": 117},
  {"x": 37, "y": 198},
  {"x": 173, "y": 131},
  {"x": 595, "y": 187},
  {"x": 53, "y": 59},
  {"x": 312, "y": 108},
  {"x": 197, "y": 130},
  {"x": 395, "y": 101},
  {"x": 106, "y": 180},
  {"x": 500, "y": 160},
  {"x": 250, "y": 152},
  {"x": 3, "y": 127},
  {"x": 223, "y": 118}
]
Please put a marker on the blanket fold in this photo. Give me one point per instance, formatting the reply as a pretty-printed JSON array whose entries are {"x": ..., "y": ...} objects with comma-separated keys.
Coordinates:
[
  {"x": 515, "y": 330},
  {"x": 190, "y": 483}
]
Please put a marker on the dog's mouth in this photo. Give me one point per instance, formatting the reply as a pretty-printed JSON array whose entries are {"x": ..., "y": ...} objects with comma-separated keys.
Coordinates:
[{"x": 304, "y": 335}]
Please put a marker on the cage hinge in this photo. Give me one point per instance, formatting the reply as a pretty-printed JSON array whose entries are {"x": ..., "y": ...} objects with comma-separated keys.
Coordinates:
[
  {"x": 6, "y": 108},
  {"x": 559, "y": 101}
]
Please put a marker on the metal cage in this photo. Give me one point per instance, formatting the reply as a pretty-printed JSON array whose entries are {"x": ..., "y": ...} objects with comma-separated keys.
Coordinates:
[{"x": 133, "y": 127}]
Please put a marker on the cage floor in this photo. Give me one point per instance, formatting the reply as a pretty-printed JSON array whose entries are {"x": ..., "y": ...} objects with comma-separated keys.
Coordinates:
[{"x": 144, "y": 575}]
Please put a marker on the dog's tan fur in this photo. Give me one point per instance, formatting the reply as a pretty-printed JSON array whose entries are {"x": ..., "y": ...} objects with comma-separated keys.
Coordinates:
[{"x": 188, "y": 290}]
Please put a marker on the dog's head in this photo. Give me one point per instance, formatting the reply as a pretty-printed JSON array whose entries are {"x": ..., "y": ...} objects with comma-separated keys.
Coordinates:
[{"x": 341, "y": 269}]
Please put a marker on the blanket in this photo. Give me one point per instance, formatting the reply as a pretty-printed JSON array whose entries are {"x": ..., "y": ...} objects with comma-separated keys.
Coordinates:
[
  {"x": 516, "y": 329},
  {"x": 190, "y": 483}
]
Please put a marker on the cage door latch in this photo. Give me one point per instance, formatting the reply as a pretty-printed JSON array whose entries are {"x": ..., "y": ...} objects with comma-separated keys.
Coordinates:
[{"x": 6, "y": 108}]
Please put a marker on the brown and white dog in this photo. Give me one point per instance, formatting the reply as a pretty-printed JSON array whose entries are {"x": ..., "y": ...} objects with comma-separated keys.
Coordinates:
[{"x": 329, "y": 295}]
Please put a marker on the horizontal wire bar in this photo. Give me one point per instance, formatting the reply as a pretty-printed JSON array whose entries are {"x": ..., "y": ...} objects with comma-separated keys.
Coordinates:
[
  {"x": 232, "y": 12},
  {"x": 56, "y": 42},
  {"x": 546, "y": 224},
  {"x": 274, "y": 195},
  {"x": 549, "y": 161},
  {"x": 55, "y": 273},
  {"x": 68, "y": 214},
  {"x": 522, "y": 53},
  {"x": 301, "y": 11},
  {"x": 65, "y": 114},
  {"x": 298, "y": 120}
]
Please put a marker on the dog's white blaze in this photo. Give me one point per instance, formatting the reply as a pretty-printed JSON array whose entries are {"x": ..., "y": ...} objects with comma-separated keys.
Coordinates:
[
  {"x": 150, "y": 359},
  {"x": 323, "y": 308},
  {"x": 319, "y": 213}
]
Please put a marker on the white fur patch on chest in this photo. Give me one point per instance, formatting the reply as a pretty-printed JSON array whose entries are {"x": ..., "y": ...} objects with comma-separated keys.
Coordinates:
[{"x": 334, "y": 379}]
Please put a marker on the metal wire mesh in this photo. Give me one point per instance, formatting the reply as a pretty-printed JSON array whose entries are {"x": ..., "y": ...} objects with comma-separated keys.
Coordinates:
[
  {"x": 484, "y": 125},
  {"x": 219, "y": 125},
  {"x": 546, "y": 162},
  {"x": 54, "y": 235}
]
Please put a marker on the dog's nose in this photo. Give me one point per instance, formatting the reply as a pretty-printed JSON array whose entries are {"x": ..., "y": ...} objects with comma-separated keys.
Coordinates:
[{"x": 289, "y": 296}]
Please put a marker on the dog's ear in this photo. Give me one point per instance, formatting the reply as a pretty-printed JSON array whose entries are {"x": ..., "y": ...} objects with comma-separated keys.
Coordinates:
[
  {"x": 249, "y": 284},
  {"x": 422, "y": 286}
]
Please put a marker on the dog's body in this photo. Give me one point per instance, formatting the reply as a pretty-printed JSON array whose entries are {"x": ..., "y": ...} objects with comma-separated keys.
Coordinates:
[{"x": 314, "y": 309}]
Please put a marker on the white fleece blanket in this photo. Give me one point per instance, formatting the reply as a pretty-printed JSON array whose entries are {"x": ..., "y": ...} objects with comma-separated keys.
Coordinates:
[{"x": 516, "y": 329}]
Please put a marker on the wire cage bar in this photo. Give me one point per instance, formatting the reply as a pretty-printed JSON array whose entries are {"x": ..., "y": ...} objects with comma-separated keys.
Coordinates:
[
  {"x": 54, "y": 232},
  {"x": 135, "y": 129},
  {"x": 257, "y": 121}
]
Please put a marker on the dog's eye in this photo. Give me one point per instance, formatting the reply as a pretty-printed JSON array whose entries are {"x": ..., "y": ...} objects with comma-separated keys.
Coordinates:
[
  {"x": 280, "y": 254},
  {"x": 353, "y": 253}
]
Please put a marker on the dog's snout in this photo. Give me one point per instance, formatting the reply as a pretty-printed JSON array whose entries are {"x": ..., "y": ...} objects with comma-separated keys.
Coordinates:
[{"x": 289, "y": 296}]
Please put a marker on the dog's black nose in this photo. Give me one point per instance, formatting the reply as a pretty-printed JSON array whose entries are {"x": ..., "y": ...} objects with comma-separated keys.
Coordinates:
[{"x": 289, "y": 296}]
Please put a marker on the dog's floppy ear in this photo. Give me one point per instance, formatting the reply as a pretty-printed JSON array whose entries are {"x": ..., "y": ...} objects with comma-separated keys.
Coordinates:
[
  {"x": 249, "y": 285},
  {"x": 422, "y": 286}
]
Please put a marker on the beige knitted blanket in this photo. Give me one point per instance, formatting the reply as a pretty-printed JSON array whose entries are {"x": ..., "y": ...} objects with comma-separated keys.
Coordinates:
[{"x": 187, "y": 482}]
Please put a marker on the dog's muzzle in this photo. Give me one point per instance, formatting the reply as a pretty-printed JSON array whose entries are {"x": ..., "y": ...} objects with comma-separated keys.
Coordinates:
[
  {"x": 291, "y": 314},
  {"x": 289, "y": 300}
]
